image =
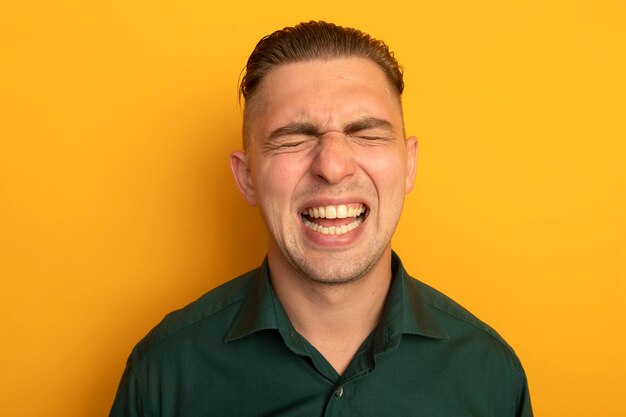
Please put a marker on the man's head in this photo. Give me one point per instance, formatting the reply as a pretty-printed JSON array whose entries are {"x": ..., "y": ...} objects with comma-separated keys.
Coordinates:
[
  {"x": 312, "y": 41},
  {"x": 327, "y": 161}
]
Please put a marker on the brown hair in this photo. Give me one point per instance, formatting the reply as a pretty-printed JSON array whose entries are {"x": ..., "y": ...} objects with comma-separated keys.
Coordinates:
[{"x": 313, "y": 40}]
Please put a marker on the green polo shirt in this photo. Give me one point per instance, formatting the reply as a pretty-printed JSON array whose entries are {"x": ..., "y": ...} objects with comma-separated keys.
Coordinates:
[{"x": 234, "y": 352}]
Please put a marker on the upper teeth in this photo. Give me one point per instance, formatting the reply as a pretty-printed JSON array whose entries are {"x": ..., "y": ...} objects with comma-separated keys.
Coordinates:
[{"x": 334, "y": 212}]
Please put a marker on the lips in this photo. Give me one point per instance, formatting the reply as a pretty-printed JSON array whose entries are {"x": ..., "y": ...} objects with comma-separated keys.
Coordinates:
[{"x": 334, "y": 219}]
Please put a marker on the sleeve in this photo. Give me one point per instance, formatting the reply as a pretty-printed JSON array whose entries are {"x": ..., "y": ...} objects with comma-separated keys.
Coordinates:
[
  {"x": 524, "y": 408},
  {"x": 128, "y": 402}
]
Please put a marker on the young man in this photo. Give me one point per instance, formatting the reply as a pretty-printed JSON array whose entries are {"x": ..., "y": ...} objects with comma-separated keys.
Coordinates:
[{"x": 331, "y": 323}]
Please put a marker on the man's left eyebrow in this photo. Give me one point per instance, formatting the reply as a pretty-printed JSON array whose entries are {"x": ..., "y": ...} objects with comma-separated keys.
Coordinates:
[{"x": 367, "y": 123}]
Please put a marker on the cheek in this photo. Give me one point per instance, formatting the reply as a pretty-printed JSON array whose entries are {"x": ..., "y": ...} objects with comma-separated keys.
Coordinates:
[
  {"x": 275, "y": 182},
  {"x": 387, "y": 170}
]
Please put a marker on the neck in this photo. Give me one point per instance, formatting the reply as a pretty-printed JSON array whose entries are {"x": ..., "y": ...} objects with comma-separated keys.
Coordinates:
[{"x": 334, "y": 318}]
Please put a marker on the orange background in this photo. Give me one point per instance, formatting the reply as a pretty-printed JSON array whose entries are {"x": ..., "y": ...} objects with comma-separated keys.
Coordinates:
[{"x": 117, "y": 206}]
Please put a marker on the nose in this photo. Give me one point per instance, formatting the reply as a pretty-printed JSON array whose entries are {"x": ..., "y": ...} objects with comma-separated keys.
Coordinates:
[{"x": 334, "y": 159}]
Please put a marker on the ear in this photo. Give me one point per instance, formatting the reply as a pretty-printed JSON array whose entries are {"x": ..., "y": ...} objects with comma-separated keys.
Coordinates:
[
  {"x": 411, "y": 162},
  {"x": 241, "y": 172}
]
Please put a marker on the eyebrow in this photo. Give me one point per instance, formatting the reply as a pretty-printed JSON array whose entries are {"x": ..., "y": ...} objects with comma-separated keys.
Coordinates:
[
  {"x": 310, "y": 129},
  {"x": 295, "y": 128},
  {"x": 367, "y": 123}
]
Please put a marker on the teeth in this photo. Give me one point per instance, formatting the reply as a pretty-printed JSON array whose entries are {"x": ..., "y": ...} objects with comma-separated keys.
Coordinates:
[
  {"x": 334, "y": 212},
  {"x": 332, "y": 230}
]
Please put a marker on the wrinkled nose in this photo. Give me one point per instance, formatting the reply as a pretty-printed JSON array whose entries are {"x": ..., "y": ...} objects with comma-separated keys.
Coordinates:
[{"x": 334, "y": 160}]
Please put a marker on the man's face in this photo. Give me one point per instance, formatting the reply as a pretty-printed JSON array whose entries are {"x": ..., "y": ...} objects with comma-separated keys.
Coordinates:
[{"x": 328, "y": 165}]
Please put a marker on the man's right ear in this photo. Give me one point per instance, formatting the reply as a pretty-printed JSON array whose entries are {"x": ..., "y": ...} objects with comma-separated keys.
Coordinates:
[{"x": 241, "y": 172}]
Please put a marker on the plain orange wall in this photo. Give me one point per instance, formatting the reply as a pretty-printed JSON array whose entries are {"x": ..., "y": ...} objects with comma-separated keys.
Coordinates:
[{"x": 117, "y": 206}]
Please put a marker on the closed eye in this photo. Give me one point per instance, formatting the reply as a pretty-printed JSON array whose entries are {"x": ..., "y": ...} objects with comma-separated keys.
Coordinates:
[
  {"x": 289, "y": 143},
  {"x": 371, "y": 139},
  {"x": 368, "y": 137}
]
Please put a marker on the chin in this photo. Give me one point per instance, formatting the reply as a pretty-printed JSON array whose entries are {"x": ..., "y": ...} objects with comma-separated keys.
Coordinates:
[{"x": 335, "y": 269}]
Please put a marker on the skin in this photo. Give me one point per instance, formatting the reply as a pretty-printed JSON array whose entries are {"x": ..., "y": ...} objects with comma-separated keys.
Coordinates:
[{"x": 328, "y": 133}]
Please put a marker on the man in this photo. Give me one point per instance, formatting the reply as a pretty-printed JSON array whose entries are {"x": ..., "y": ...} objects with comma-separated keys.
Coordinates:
[{"x": 331, "y": 324}]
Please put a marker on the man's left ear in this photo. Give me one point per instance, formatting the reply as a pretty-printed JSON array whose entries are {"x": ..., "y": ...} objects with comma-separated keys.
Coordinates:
[
  {"x": 240, "y": 167},
  {"x": 411, "y": 162}
]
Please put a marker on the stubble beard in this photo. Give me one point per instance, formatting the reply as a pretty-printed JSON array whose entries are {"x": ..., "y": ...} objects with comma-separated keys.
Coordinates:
[{"x": 336, "y": 267}]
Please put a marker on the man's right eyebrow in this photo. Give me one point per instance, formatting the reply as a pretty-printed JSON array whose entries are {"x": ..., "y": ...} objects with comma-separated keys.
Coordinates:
[{"x": 294, "y": 128}]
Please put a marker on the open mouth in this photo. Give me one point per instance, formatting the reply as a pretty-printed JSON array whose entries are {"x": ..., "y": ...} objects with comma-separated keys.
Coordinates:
[{"x": 334, "y": 220}]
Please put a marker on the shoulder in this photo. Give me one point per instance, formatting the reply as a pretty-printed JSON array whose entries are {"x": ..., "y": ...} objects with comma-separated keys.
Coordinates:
[
  {"x": 476, "y": 357},
  {"x": 459, "y": 323},
  {"x": 219, "y": 305},
  {"x": 471, "y": 343}
]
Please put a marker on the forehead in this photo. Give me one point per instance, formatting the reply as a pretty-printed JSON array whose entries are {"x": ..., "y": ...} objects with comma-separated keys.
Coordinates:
[{"x": 328, "y": 93}]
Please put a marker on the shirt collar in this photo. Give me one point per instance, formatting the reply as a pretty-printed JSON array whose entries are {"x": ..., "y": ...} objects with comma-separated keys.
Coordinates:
[
  {"x": 257, "y": 311},
  {"x": 405, "y": 311}
]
